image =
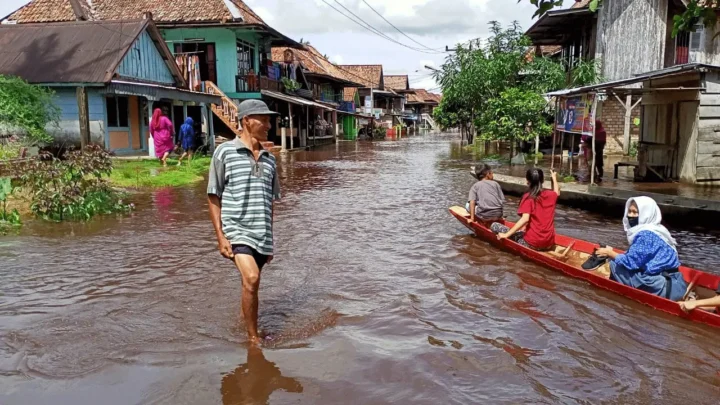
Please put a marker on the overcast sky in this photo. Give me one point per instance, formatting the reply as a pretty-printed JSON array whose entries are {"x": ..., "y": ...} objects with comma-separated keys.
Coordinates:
[{"x": 432, "y": 23}]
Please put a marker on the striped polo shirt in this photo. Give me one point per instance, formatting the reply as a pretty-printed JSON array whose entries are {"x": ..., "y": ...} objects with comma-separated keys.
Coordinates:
[{"x": 247, "y": 189}]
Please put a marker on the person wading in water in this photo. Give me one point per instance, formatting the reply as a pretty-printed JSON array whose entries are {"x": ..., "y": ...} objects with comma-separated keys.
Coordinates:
[{"x": 242, "y": 187}]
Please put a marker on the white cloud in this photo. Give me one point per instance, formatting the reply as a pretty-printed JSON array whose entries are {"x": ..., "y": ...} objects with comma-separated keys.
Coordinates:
[{"x": 337, "y": 59}]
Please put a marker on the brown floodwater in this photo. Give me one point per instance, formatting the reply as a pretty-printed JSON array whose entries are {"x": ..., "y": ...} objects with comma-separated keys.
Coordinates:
[{"x": 377, "y": 296}]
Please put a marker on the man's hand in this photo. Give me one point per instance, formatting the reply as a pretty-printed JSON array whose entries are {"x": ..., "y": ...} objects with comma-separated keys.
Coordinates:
[
  {"x": 470, "y": 220},
  {"x": 502, "y": 236},
  {"x": 270, "y": 259},
  {"x": 225, "y": 248}
]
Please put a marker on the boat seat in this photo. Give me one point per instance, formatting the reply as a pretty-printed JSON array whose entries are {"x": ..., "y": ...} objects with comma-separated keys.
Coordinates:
[{"x": 575, "y": 258}]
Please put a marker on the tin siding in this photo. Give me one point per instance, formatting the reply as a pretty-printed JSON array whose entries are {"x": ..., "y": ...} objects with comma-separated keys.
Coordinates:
[{"x": 144, "y": 62}]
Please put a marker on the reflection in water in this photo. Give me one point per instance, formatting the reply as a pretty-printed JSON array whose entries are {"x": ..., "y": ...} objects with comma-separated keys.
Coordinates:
[
  {"x": 254, "y": 381},
  {"x": 377, "y": 295}
]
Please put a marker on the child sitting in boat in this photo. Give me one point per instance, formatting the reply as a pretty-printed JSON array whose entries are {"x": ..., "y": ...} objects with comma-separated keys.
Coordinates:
[
  {"x": 651, "y": 262},
  {"x": 486, "y": 197},
  {"x": 537, "y": 211}
]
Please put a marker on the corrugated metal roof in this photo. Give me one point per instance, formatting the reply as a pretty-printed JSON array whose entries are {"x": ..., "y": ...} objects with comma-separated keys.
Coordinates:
[{"x": 74, "y": 52}]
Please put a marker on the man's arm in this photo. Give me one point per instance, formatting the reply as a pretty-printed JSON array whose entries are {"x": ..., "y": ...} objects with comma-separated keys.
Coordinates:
[
  {"x": 216, "y": 187},
  {"x": 215, "y": 209},
  {"x": 472, "y": 210}
]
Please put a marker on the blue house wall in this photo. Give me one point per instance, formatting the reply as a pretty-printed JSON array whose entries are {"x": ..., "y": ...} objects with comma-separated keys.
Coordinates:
[
  {"x": 144, "y": 62},
  {"x": 68, "y": 129}
]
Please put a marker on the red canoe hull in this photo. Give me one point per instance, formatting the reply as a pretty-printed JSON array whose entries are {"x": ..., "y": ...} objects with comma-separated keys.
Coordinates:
[{"x": 702, "y": 279}]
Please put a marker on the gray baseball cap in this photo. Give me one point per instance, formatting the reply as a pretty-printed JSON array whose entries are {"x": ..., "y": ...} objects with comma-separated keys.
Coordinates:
[{"x": 254, "y": 107}]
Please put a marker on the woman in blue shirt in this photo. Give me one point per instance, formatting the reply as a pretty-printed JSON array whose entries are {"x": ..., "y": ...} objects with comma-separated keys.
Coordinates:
[
  {"x": 651, "y": 263},
  {"x": 187, "y": 139}
]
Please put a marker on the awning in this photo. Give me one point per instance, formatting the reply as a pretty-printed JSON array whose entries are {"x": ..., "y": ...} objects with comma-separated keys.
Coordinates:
[
  {"x": 556, "y": 27},
  {"x": 656, "y": 74},
  {"x": 294, "y": 100},
  {"x": 155, "y": 92}
]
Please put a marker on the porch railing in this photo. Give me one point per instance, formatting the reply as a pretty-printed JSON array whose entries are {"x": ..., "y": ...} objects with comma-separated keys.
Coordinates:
[{"x": 252, "y": 83}]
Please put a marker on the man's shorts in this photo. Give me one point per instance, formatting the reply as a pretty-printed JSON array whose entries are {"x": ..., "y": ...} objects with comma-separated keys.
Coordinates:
[{"x": 260, "y": 259}]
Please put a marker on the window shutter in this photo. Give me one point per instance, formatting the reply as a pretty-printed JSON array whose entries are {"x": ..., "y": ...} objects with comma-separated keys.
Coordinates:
[{"x": 696, "y": 39}]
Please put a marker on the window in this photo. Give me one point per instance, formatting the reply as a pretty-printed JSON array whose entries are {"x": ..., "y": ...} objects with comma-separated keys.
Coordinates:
[
  {"x": 696, "y": 38},
  {"x": 118, "y": 112}
]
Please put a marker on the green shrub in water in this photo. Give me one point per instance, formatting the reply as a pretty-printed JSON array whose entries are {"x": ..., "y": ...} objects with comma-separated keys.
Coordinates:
[
  {"x": 8, "y": 219},
  {"x": 72, "y": 188}
]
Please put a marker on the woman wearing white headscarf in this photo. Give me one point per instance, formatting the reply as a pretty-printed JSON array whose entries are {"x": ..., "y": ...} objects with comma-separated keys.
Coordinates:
[{"x": 651, "y": 263}]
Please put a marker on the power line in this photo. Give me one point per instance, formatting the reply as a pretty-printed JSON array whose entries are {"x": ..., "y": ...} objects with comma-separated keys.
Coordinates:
[
  {"x": 396, "y": 28},
  {"x": 371, "y": 28}
]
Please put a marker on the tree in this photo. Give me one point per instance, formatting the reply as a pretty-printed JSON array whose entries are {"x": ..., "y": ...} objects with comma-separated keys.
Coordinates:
[
  {"x": 479, "y": 82},
  {"x": 695, "y": 11},
  {"x": 28, "y": 108}
]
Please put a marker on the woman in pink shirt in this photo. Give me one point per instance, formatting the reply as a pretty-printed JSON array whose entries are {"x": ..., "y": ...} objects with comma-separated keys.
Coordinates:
[{"x": 162, "y": 131}]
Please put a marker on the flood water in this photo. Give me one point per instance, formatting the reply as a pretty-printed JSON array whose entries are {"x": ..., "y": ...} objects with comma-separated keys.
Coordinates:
[{"x": 376, "y": 296}]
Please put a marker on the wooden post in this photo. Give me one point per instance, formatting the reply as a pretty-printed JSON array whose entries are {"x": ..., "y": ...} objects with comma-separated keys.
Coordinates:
[
  {"x": 211, "y": 128},
  {"x": 307, "y": 126},
  {"x": 84, "y": 116},
  {"x": 552, "y": 156},
  {"x": 592, "y": 117},
  {"x": 537, "y": 148},
  {"x": 291, "y": 126},
  {"x": 151, "y": 144},
  {"x": 572, "y": 148}
]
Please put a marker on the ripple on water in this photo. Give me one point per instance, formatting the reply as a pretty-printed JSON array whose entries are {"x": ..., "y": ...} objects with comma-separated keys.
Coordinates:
[{"x": 377, "y": 295}]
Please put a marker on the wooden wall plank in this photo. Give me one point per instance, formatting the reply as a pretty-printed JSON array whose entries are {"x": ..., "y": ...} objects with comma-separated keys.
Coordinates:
[{"x": 708, "y": 173}]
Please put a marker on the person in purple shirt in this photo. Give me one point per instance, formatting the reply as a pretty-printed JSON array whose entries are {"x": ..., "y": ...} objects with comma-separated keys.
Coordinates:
[{"x": 651, "y": 263}]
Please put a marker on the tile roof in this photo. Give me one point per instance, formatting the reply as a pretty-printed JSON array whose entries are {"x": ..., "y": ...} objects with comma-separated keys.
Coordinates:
[
  {"x": 314, "y": 62},
  {"x": 168, "y": 11},
  {"x": 72, "y": 52},
  {"x": 369, "y": 76},
  {"x": 397, "y": 82},
  {"x": 422, "y": 96}
]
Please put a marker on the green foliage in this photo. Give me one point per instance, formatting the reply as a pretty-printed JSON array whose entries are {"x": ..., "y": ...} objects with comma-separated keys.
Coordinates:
[
  {"x": 10, "y": 151},
  {"x": 27, "y": 107},
  {"x": 586, "y": 73},
  {"x": 480, "y": 84},
  {"x": 379, "y": 133},
  {"x": 72, "y": 188},
  {"x": 517, "y": 114},
  {"x": 147, "y": 174},
  {"x": 290, "y": 84},
  {"x": 694, "y": 13},
  {"x": 633, "y": 149},
  {"x": 8, "y": 219}
]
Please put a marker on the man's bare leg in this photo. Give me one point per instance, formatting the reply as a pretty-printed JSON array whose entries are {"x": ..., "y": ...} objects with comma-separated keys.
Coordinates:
[{"x": 250, "y": 293}]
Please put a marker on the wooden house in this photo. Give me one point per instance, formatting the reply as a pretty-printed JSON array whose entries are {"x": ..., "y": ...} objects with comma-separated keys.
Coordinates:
[
  {"x": 668, "y": 84},
  {"x": 107, "y": 77},
  {"x": 221, "y": 46},
  {"x": 323, "y": 83},
  {"x": 378, "y": 100}
]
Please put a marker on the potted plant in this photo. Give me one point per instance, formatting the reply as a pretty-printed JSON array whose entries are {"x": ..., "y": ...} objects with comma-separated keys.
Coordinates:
[{"x": 291, "y": 86}]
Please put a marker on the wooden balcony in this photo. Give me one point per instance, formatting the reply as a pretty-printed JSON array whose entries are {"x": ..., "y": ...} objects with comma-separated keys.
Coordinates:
[{"x": 252, "y": 83}]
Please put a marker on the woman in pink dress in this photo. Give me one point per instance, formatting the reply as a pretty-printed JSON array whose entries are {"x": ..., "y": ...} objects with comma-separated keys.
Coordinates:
[{"x": 162, "y": 131}]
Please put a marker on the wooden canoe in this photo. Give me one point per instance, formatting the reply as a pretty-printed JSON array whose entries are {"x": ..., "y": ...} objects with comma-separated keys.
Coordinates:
[{"x": 704, "y": 284}]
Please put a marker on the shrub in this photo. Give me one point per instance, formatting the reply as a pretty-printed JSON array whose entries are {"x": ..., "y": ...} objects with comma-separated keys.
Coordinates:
[
  {"x": 72, "y": 188},
  {"x": 28, "y": 108},
  {"x": 8, "y": 219}
]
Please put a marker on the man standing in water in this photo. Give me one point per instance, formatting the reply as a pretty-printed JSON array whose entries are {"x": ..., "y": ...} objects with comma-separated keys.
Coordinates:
[{"x": 242, "y": 188}]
